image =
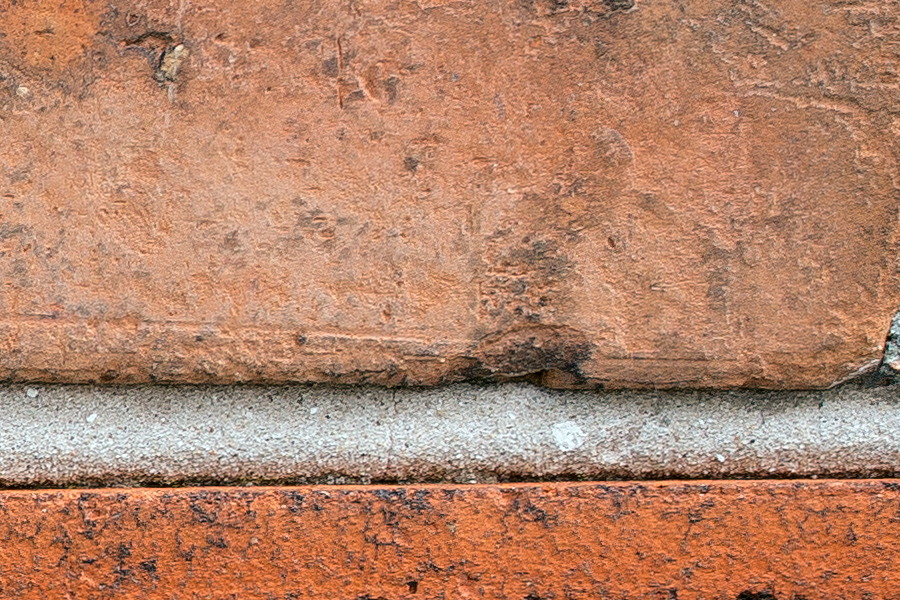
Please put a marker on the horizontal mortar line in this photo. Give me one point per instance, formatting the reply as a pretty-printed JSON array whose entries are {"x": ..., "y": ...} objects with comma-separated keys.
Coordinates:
[{"x": 69, "y": 435}]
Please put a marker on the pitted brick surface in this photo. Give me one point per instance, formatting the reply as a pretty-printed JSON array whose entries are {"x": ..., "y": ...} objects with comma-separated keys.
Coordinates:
[
  {"x": 761, "y": 540},
  {"x": 594, "y": 193}
]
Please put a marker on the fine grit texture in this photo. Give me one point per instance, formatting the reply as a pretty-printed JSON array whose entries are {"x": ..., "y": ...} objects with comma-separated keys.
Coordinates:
[{"x": 55, "y": 436}]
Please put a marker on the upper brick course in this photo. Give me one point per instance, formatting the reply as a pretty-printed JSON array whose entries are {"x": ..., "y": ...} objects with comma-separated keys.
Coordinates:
[{"x": 600, "y": 193}]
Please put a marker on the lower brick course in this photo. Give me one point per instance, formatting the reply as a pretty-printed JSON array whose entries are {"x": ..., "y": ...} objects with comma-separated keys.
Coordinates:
[{"x": 739, "y": 540}]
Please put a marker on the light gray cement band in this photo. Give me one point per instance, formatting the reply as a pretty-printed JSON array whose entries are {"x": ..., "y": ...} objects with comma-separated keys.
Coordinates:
[{"x": 70, "y": 435}]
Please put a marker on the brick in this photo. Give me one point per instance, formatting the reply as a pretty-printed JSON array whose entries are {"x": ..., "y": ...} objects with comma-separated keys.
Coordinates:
[
  {"x": 740, "y": 540},
  {"x": 592, "y": 193}
]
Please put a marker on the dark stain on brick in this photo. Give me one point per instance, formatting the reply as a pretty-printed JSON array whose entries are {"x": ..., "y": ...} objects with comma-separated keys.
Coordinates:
[
  {"x": 527, "y": 511},
  {"x": 201, "y": 514},
  {"x": 330, "y": 67},
  {"x": 411, "y": 164},
  {"x": 751, "y": 595},
  {"x": 615, "y": 5},
  {"x": 533, "y": 349},
  {"x": 149, "y": 567},
  {"x": 390, "y": 87}
]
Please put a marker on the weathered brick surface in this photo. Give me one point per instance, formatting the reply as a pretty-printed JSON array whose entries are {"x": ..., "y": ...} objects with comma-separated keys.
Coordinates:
[
  {"x": 706, "y": 540},
  {"x": 648, "y": 193}
]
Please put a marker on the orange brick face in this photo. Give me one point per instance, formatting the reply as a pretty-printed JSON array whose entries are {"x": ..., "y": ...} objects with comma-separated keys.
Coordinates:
[
  {"x": 593, "y": 192},
  {"x": 752, "y": 540}
]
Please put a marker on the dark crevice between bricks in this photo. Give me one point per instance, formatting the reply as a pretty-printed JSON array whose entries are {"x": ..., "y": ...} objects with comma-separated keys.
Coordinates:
[
  {"x": 889, "y": 370},
  {"x": 485, "y": 477}
]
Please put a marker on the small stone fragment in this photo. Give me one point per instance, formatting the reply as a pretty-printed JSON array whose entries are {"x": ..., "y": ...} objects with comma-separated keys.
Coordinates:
[{"x": 170, "y": 64}]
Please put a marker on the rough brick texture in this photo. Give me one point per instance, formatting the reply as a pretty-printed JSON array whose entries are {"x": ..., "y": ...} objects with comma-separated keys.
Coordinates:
[
  {"x": 591, "y": 192},
  {"x": 660, "y": 541}
]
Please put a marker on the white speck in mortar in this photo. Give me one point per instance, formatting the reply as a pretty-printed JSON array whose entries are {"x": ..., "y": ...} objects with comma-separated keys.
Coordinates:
[
  {"x": 91, "y": 417},
  {"x": 31, "y": 393},
  {"x": 568, "y": 435}
]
